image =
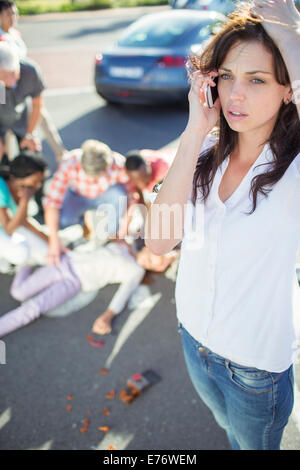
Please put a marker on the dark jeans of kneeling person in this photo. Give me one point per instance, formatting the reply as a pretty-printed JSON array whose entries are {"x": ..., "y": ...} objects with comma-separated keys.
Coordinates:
[
  {"x": 253, "y": 406},
  {"x": 112, "y": 201}
]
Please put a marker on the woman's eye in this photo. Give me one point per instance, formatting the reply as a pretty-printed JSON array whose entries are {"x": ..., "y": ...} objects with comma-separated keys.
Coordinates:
[
  {"x": 223, "y": 75},
  {"x": 226, "y": 76}
]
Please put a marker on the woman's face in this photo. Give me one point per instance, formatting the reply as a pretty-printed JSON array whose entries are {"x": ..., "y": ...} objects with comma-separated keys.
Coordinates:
[
  {"x": 33, "y": 181},
  {"x": 8, "y": 18},
  {"x": 256, "y": 95}
]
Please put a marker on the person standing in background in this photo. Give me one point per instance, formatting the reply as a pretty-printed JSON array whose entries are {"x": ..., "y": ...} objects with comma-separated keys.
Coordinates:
[{"x": 10, "y": 35}]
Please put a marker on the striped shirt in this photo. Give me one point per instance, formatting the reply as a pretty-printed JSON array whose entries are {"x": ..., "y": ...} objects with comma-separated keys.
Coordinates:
[{"x": 70, "y": 175}]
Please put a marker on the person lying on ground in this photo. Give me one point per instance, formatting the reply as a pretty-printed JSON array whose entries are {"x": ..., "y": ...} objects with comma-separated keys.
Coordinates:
[
  {"x": 150, "y": 262},
  {"x": 49, "y": 286}
]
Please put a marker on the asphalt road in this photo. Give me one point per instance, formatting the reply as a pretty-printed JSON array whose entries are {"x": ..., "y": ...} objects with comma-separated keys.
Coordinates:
[{"x": 51, "y": 359}]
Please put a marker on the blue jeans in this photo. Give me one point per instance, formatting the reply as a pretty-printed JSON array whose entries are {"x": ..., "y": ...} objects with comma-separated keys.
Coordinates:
[
  {"x": 112, "y": 200},
  {"x": 253, "y": 406}
]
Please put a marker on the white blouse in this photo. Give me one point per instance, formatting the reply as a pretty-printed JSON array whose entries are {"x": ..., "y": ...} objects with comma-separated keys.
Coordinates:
[{"x": 236, "y": 289}]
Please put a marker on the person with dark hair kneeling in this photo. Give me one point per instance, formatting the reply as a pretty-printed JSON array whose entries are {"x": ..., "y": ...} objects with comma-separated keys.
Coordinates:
[{"x": 21, "y": 242}]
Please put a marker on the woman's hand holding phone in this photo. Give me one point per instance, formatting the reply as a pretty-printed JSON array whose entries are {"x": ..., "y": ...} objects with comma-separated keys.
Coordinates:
[{"x": 201, "y": 117}]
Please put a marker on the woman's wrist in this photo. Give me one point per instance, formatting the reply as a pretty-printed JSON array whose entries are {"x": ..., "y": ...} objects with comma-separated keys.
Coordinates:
[{"x": 193, "y": 139}]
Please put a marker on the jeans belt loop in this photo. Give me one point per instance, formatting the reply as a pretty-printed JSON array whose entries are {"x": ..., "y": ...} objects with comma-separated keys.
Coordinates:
[{"x": 227, "y": 365}]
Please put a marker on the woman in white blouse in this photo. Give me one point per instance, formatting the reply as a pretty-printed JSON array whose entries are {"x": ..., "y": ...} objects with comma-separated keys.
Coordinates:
[{"x": 239, "y": 205}]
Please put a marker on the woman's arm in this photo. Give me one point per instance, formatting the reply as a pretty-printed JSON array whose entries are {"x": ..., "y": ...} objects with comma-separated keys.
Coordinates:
[
  {"x": 10, "y": 224},
  {"x": 281, "y": 20},
  {"x": 30, "y": 141},
  {"x": 165, "y": 220},
  {"x": 56, "y": 248},
  {"x": 35, "y": 230}
]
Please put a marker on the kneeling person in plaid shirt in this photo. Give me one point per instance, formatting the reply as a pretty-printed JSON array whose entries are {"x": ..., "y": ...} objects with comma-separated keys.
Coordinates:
[{"x": 86, "y": 179}]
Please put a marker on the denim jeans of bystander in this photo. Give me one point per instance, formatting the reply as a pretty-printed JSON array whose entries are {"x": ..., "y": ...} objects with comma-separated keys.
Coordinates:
[
  {"x": 113, "y": 200},
  {"x": 253, "y": 406}
]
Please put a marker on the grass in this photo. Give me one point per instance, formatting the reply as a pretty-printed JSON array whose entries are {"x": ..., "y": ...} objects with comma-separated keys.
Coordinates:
[{"x": 31, "y": 7}]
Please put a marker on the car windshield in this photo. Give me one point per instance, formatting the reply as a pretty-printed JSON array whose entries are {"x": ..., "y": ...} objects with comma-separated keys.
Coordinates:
[{"x": 161, "y": 32}]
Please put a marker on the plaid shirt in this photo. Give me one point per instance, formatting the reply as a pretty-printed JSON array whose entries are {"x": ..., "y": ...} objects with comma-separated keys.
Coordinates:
[{"x": 70, "y": 175}]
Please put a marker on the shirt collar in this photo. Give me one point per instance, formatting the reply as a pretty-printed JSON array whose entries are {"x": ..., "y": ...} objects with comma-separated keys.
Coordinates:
[{"x": 266, "y": 156}]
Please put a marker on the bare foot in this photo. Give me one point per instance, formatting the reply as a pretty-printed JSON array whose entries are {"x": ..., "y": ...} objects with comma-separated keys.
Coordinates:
[{"x": 102, "y": 325}]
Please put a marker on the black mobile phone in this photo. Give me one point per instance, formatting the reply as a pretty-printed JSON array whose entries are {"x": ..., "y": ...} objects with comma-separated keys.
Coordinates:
[{"x": 211, "y": 93}]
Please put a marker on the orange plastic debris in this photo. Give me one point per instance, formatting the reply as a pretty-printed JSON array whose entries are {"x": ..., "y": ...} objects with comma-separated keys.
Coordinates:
[
  {"x": 103, "y": 371},
  {"x": 110, "y": 394},
  {"x": 90, "y": 337},
  {"x": 85, "y": 425},
  {"x": 105, "y": 412},
  {"x": 97, "y": 344},
  {"x": 70, "y": 397},
  {"x": 69, "y": 407},
  {"x": 111, "y": 448},
  {"x": 103, "y": 428},
  {"x": 126, "y": 397}
]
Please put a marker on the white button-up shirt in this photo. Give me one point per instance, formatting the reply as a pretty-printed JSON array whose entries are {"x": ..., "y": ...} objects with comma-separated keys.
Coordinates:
[{"x": 236, "y": 286}]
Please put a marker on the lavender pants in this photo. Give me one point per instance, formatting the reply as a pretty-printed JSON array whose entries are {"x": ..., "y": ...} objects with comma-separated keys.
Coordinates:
[{"x": 40, "y": 291}]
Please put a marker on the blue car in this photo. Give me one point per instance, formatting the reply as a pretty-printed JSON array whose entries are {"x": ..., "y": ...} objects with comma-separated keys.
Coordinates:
[
  {"x": 222, "y": 6},
  {"x": 147, "y": 64}
]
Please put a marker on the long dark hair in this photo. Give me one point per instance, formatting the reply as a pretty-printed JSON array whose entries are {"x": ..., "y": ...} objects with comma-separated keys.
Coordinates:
[
  {"x": 284, "y": 140},
  {"x": 25, "y": 164}
]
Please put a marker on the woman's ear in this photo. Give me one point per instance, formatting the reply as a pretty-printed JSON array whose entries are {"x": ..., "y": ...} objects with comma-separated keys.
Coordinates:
[{"x": 288, "y": 96}]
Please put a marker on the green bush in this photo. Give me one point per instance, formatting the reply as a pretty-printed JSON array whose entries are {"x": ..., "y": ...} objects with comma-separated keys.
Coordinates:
[
  {"x": 32, "y": 7},
  {"x": 136, "y": 3}
]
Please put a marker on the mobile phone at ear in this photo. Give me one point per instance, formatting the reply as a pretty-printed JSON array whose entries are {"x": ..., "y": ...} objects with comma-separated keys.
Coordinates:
[{"x": 211, "y": 93}]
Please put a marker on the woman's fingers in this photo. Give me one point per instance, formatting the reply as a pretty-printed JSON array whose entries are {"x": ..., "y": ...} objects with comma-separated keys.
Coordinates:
[
  {"x": 199, "y": 77},
  {"x": 199, "y": 82}
]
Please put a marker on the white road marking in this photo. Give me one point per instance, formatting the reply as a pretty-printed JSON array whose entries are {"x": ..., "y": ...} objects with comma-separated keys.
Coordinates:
[
  {"x": 5, "y": 417},
  {"x": 69, "y": 91},
  {"x": 135, "y": 318},
  {"x": 117, "y": 439},
  {"x": 46, "y": 446}
]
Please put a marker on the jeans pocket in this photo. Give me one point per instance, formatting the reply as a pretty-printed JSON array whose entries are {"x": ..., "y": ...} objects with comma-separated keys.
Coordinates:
[{"x": 249, "y": 379}]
